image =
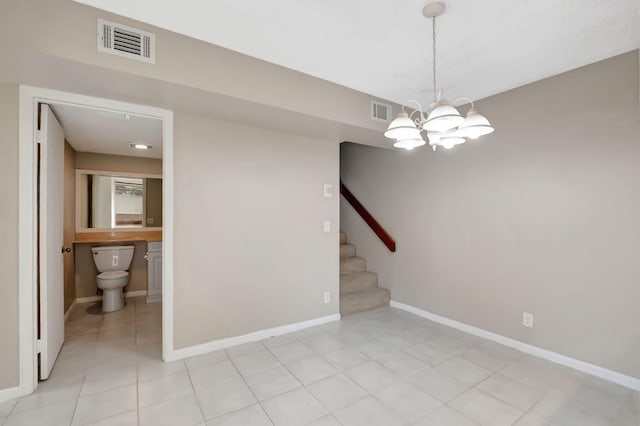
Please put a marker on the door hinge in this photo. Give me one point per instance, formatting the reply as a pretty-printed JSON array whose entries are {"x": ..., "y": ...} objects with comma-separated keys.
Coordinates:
[
  {"x": 39, "y": 346},
  {"x": 38, "y": 136}
]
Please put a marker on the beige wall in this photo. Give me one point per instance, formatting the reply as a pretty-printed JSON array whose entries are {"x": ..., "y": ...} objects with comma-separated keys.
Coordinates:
[
  {"x": 249, "y": 249},
  {"x": 86, "y": 269},
  {"x": 69, "y": 227},
  {"x": 541, "y": 216},
  {"x": 9, "y": 235},
  {"x": 118, "y": 163},
  {"x": 153, "y": 202}
]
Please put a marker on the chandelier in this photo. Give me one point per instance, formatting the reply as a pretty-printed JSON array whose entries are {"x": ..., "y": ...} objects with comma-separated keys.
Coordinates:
[{"x": 443, "y": 123}]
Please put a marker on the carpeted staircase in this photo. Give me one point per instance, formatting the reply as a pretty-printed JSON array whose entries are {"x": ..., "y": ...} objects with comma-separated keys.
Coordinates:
[{"x": 359, "y": 289}]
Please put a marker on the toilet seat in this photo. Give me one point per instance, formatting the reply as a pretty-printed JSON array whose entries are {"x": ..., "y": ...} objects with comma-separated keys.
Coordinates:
[{"x": 113, "y": 275}]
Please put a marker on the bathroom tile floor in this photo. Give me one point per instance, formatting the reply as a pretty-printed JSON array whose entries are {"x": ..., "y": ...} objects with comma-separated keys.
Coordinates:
[{"x": 383, "y": 367}]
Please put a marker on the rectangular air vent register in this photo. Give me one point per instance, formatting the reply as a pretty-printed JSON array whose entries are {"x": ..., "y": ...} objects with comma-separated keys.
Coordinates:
[
  {"x": 380, "y": 111},
  {"x": 121, "y": 40}
]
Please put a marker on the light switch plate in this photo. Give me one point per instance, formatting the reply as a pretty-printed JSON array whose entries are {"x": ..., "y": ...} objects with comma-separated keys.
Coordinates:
[{"x": 328, "y": 190}]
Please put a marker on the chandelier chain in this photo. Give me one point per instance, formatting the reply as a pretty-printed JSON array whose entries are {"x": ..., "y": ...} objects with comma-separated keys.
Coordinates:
[{"x": 433, "y": 34}]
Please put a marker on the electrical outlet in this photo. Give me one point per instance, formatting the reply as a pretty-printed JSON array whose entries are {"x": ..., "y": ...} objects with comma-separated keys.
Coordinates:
[
  {"x": 327, "y": 297},
  {"x": 328, "y": 190},
  {"x": 527, "y": 319},
  {"x": 326, "y": 226}
]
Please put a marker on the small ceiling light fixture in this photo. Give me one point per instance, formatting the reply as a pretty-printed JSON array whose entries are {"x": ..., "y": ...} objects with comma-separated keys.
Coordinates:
[
  {"x": 443, "y": 123},
  {"x": 139, "y": 146}
]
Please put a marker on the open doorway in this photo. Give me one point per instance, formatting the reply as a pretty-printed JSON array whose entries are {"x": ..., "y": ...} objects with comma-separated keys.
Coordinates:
[
  {"x": 101, "y": 185},
  {"x": 112, "y": 233}
]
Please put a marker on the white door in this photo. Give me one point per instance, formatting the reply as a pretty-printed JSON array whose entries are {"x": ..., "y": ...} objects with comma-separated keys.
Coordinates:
[{"x": 51, "y": 303}]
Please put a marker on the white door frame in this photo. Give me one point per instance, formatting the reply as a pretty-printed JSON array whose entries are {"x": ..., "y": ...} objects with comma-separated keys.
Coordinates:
[{"x": 27, "y": 212}]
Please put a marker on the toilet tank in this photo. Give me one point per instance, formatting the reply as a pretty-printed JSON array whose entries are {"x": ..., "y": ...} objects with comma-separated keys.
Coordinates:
[{"x": 112, "y": 258}]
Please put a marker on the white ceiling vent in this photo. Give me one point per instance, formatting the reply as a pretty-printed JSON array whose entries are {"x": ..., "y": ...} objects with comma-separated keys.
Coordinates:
[
  {"x": 125, "y": 41},
  {"x": 380, "y": 112}
]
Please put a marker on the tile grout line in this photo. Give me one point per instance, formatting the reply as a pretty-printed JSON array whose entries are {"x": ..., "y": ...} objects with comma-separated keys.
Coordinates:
[
  {"x": 401, "y": 379},
  {"x": 545, "y": 390},
  {"x": 247, "y": 384},
  {"x": 626, "y": 401},
  {"x": 338, "y": 371},
  {"x": 330, "y": 413},
  {"x": 493, "y": 373},
  {"x": 464, "y": 415},
  {"x": 75, "y": 407},
  {"x": 524, "y": 413},
  {"x": 13, "y": 407},
  {"x": 84, "y": 378},
  {"x": 195, "y": 395},
  {"x": 303, "y": 384}
]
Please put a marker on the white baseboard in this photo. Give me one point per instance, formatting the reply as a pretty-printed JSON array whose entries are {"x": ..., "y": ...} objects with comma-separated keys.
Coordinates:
[
  {"x": 67, "y": 314},
  {"x": 594, "y": 370},
  {"x": 157, "y": 298},
  {"x": 98, "y": 298},
  {"x": 217, "y": 345},
  {"x": 9, "y": 393}
]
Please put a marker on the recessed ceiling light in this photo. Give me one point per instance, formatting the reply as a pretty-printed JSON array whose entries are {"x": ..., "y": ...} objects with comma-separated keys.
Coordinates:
[{"x": 139, "y": 146}]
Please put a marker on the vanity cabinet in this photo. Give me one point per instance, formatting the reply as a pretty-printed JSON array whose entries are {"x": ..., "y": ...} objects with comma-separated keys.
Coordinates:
[{"x": 154, "y": 272}]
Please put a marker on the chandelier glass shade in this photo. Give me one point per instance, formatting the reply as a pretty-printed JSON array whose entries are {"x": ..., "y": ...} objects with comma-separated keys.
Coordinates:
[
  {"x": 402, "y": 127},
  {"x": 475, "y": 125},
  {"x": 443, "y": 117},
  {"x": 443, "y": 123},
  {"x": 409, "y": 144}
]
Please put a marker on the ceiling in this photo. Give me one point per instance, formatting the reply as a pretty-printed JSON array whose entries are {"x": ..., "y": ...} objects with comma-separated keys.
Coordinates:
[
  {"x": 108, "y": 132},
  {"x": 383, "y": 47}
]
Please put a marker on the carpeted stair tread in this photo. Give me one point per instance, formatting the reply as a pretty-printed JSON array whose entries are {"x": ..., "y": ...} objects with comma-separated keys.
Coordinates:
[
  {"x": 357, "y": 281},
  {"x": 352, "y": 264},
  {"x": 347, "y": 250},
  {"x": 343, "y": 238},
  {"x": 363, "y": 300}
]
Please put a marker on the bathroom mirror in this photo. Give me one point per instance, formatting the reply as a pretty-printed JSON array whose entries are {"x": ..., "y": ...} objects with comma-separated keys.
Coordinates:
[{"x": 115, "y": 200}]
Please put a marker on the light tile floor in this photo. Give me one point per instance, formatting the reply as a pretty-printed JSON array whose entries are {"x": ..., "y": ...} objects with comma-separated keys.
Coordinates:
[{"x": 384, "y": 367}]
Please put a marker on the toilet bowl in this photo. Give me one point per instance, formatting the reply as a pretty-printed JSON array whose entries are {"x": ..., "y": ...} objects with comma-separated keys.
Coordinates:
[{"x": 112, "y": 263}]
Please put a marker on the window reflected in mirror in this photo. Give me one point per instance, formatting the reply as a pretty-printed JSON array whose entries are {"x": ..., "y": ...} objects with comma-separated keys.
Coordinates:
[{"x": 106, "y": 201}]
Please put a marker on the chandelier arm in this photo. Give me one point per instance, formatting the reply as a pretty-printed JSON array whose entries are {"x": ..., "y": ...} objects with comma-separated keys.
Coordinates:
[
  {"x": 418, "y": 110},
  {"x": 411, "y": 101},
  {"x": 464, "y": 98},
  {"x": 418, "y": 120}
]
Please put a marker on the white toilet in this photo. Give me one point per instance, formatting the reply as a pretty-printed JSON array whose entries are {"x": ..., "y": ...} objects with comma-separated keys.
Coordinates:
[{"x": 112, "y": 262}]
